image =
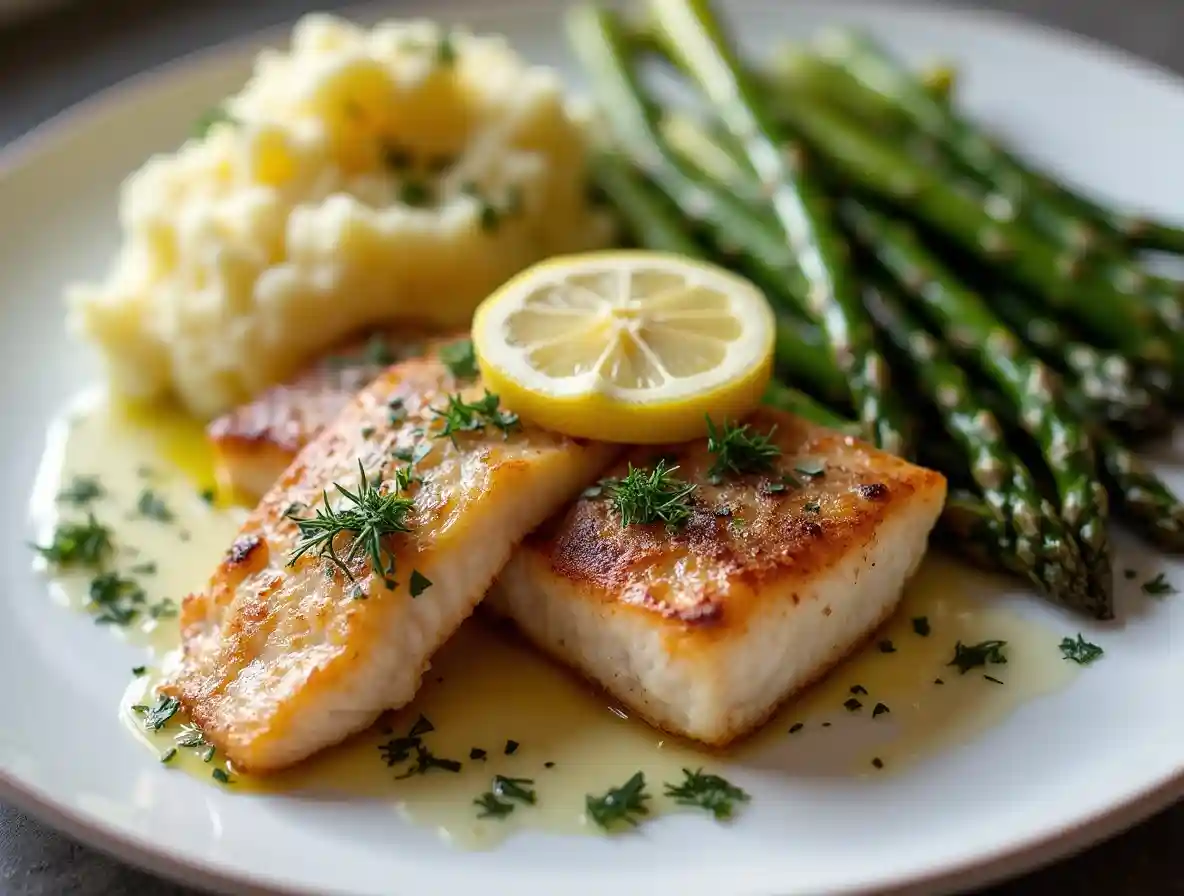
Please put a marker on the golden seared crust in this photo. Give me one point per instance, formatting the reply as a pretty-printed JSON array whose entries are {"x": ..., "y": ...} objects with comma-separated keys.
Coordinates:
[
  {"x": 745, "y": 535},
  {"x": 284, "y": 657},
  {"x": 256, "y": 441}
]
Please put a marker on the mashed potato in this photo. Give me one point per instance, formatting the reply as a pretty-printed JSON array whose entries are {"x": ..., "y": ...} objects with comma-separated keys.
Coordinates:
[{"x": 359, "y": 178}]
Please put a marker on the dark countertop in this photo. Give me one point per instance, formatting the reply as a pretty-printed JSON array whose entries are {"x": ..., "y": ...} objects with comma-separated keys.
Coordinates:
[{"x": 47, "y": 65}]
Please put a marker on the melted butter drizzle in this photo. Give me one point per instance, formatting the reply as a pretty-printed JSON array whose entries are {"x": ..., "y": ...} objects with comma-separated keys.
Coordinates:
[{"x": 486, "y": 689}]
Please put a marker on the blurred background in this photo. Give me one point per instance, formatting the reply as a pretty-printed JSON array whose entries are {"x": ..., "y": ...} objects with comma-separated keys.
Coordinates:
[{"x": 54, "y": 53}]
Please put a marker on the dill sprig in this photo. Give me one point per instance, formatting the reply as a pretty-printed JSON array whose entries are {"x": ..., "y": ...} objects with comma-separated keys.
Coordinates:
[
  {"x": 78, "y": 544},
  {"x": 117, "y": 600},
  {"x": 739, "y": 450},
  {"x": 711, "y": 792},
  {"x": 460, "y": 416},
  {"x": 650, "y": 496},
  {"x": 372, "y": 515},
  {"x": 624, "y": 804}
]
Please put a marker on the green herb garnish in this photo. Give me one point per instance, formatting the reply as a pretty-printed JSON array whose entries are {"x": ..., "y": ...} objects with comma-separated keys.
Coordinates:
[
  {"x": 974, "y": 656},
  {"x": 812, "y": 507},
  {"x": 152, "y": 506},
  {"x": 879, "y": 709},
  {"x": 1080, "y": 650},
  {"x": 460, "y": 359},
  {"x": 158, "y": 715},
  {"x": 1159, "y": 586},
  {"x": 139, "y": 671},
  {"x": 118, "y": 600},
  {"x": 82, "y": 490},
  {"x": 372, "y": 515},
  {"x": 460, "y": 416},
  {"x": 208, "y": 495},
  {"x": 654, "y": 496},
  {"x": 738, "y": 450},
  {"x": 711, "y": 792},
  {"x": 425, "y": 761},
  {"x": 191, "y": 737},
  {"x": 921, "y": 626},
  {"x": 492, "y": 807},
  {"x": 168, "y": 755},
  {"x": 624, "y": 804},
  {"x": 886, "y": 646},
  {"x": 221, "y": 776},
  {"x": 78, "y": 544},
  {"x": 419, "y": 583}
]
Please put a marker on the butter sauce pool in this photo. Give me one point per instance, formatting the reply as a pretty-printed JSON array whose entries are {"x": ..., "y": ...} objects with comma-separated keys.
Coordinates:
[{"x": 494, "y": 706}]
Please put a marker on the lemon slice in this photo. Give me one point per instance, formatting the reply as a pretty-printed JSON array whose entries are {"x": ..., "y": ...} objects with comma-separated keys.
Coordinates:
[{"x": 634, "y": 347}]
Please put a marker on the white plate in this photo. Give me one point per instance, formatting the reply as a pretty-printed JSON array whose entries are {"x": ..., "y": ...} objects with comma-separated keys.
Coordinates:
[{"x": 1059, "y": 773}]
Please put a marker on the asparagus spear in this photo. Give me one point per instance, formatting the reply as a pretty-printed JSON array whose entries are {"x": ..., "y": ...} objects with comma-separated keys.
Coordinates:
[
  {"x": 1028, "y": 526},
  {"x": 794, "y": 401},
  {"x": 1030, "y": 386},
  {"x": 1109, "y": 384},
  {"x": 1139, "y": 495},
  {"x": 1079, "y": 221},
  {"x": 690, "y": 32},
  {"x": 892, "y": 175}
]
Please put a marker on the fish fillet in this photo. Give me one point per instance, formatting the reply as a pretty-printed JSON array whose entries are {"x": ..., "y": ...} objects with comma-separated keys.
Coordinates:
[
  {"x": 282, "y": 659},
  {"x": 704, "y": 632},
  {"x": 254, "y": 443}
]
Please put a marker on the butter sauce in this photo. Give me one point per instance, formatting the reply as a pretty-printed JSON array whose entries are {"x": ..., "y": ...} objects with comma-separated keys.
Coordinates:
[{"x": 497, "y": 707}]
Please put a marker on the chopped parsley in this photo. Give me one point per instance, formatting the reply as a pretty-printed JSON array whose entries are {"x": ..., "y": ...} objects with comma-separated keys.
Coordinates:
[
  {"x": 644, "y": 496},
  {"x": 858, "y": 689},
  {"x": 144, "y": 569},
  {"x": 460, "y": 359},
  {"x": 399, "y": 749},
  {"x": 221, "y": 776},
  {"x": 511, "y": 747},
  {"x": 886, "y": 646},
  {"x": 499, "y": 801},
  {"x": 414, "y": 455},
  {"x": 460, "y": 416},
  {"x": 208, "y": 495},
  {"x": 492, "y": 807},
  {"x": 974, "y": 656},
  {"x": 419, "y": 583},
  {"x": 738, "y": 450},
  {"x": 619, "y": 805},
  {"x": 477, "y": 753},
  {"x": 796, "y": 727},
  {"x": 445, "y": 50},
  {"x": 82, "y": 490},
  {"x": 151, "y": 506},
  {"x": 1129, "y": 573},
  {"x": 425, "y": 761},
  {"x": 373, "y": 515},
  {"x": 1080, "y": 650},
  {"x": 117, "y": 600},
  {"x": 158, "y": 715},
  {"x": 879, "y": 709},
  {"x": 168, "y": 755},
  {"x": 1158, "y": 587},
  {"x": 139, "y": 671},
  {"x": 165, "y": 608},
  {"x": 853, "y": 704},
  {"x": 78, "y": 544},
  {"x": 877, "y": 762},
  {"x": 711, "y": 792},
  {"x": 921, "y": 626}
]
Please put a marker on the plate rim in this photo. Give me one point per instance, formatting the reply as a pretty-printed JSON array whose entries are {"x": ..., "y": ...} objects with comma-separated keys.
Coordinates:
[{"x": 985, "y": 868}]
